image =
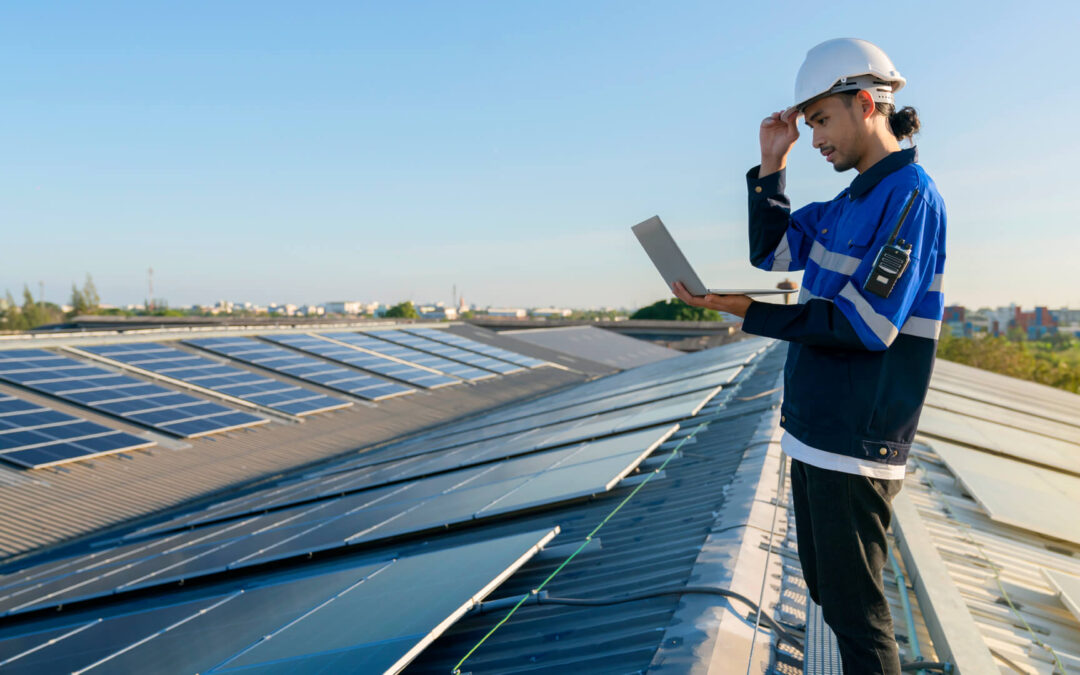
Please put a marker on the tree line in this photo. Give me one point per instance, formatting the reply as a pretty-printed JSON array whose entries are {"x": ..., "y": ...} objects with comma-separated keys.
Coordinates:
[
  {"x": 34, "y": 312},
  {"x": 1054, "y": 359}
]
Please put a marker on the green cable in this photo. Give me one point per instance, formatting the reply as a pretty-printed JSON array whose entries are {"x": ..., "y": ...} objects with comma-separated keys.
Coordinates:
[{"x": 457, "y": 667}]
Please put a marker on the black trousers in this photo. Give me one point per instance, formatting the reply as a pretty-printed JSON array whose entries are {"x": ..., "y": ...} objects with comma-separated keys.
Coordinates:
[{"x": 840, "y": 522}]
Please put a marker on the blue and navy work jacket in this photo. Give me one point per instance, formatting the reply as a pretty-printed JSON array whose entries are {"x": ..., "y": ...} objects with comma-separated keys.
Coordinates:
[{"x": 858, "y": 365}]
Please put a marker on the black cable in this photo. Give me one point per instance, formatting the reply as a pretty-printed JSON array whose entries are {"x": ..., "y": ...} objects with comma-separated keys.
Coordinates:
[
  {"x": 778, "y": 629},
  {"x": 928, "y": 665}
]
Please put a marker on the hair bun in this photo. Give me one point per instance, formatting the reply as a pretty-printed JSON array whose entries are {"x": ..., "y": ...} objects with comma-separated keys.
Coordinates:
[{"x": 904, "y": 123}]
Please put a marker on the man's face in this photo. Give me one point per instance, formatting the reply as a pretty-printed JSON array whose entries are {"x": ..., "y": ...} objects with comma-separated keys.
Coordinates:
[{"x": 839, "y": 130}]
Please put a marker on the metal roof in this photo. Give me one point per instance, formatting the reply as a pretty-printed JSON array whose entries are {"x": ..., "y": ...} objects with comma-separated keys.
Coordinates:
[
  {"x": 655, "y": 540},
  {"x": 50, "y": 506},
  {"x": 993, "y": 526}
]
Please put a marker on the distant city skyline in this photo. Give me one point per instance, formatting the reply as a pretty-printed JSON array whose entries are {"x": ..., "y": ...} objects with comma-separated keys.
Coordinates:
[{"x": 260, "y": 152}]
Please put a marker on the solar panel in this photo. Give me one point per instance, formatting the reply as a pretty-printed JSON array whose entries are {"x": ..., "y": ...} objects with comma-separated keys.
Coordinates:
[
  {"x": 209, "y": 374},
  {"x": 1000, "y": 438},
  {"x": 445, "y": 336},
  {"x": 556, "y": 410},
  {"x": 120, "y": 395},
  {"x": 366, "y": 517},
  {"x": 565, "y": 425},
  {"x": 350, "y": 356},
  {"x": 288, "y": 362},
  {"x": 371, "y": 476},
  {"x": 372, "y": 615},
  {"x": 1068, "y": 589},
  {"x": 446, "y": 351},
  {"x": 34, "y": 436},
  {"x": 412, "y": 356},
  {"x": 683, "y": 368},
  {"x": 1015, "y": 493}
]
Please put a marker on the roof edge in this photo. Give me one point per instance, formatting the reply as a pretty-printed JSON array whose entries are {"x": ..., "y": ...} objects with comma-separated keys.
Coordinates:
[
  {"x": 705, "y": 637},
  {"x": 956, "y": 637}
]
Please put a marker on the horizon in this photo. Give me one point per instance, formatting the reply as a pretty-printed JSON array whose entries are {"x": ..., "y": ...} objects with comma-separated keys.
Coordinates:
[{"x": 398, "y": 152}]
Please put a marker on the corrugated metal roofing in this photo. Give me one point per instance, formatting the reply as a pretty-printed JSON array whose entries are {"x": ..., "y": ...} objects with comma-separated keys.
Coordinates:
[
  {"x": 653, "y": 541},
  {"x": 51, "y": 506},
  {"x": 1000, "y": 560}
]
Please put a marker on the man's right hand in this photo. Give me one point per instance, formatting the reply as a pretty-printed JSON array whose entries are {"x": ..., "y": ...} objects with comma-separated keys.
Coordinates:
[{"x": 778, "y": 134}]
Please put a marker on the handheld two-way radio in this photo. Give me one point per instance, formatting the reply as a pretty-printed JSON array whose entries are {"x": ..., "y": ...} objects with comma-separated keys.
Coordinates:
[{"x": 892, "y": 260}]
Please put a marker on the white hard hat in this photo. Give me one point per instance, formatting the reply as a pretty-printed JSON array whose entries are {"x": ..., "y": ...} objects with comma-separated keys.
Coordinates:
[{"x": 846, "y": 64}]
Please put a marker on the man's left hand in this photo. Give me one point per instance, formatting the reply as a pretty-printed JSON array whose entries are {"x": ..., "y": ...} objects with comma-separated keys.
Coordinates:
[{"x": 732, "y": 304}]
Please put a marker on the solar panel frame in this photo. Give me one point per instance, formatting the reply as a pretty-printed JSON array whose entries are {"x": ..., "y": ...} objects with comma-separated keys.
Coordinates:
[
  {"x": 319, "y": 616},
  {"x": 34, "y": 436},
  {"x": 455, "y": 340},
  {"x": 363, "y": 360},
  {"x": 96, "y": 388},
  {"x": 406, "y": 339},
  {"x": 360, "y": 518},
  {"x": 202, "y": 372},
  {"x": 439, "y": 364},
  {"x": 279, "y": 359}
]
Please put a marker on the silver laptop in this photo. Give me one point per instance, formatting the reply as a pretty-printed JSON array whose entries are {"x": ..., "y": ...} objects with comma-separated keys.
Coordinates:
[{"x": 673, "y": 265}]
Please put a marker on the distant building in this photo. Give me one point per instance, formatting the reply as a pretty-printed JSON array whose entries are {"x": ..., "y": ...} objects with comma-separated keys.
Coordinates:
[
  {"x": 282, "y": 310},
  {"x": 546, "y": 312},
  {"x": 509, "y": 312},
  {"x": 345, "y": 307},
  {"x": 955, "y": 319},
  {"x": 437, "y": 312},
  {"x": 1066, "y": 316},
  {"x": 1037, "y": 323}
]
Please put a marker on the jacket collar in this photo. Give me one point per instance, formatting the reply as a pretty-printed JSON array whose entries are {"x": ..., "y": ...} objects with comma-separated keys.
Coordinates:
[{"x": 894, "y": 161}]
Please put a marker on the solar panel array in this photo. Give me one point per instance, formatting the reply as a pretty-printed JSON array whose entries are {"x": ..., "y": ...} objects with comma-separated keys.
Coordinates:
[
  {"x": 124, "y": 396},
  {"x": 447, "y": 351},
  {"x": 409, "y": 355},
  {"x": 402, "y": 582},
  {"x": 288, "y": 362},
  {"x": 34, "y": 436},
  {"x": 209, "y": 374},
  {"x": 455, "y": 340},
  {"x": 350, "y": 356},
  {"x": 320, "y": 622},
  {"x": 374, "y": 513}
]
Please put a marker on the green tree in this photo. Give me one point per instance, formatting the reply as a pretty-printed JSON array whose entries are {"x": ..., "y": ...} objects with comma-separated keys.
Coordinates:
[
  {"x": 675, "y": 310},
  {"x": 38, "y": 312},
  {"x": 11, "y": 316},
  {"x": 403, "y": 310},
  {"x": 1020, "y": 359}
]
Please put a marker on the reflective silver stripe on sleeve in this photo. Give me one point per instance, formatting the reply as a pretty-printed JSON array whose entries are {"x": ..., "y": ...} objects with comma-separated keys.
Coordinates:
[
  {"x": 937, "y": 284},
  {"x": 834, "y": 262},
  {"x": 881, "y": 327},
  {"x": 805, "y": 294},
  {"x": 782, "y": 256},
  {"x": 920, "y": 327}
]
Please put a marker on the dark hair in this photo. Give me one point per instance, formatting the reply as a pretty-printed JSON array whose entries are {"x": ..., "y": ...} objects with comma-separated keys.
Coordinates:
[{"x": 904, "y": 123}]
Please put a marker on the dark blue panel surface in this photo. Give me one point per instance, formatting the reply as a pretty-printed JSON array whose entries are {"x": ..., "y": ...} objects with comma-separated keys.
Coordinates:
[
  {"x": 455, "y": 340},
  {"x": 444, "y": 350},
  {"x": 335, "y": 351},
  {"x": 288, "y": 362},
  {"x": 104, "y": 390},
  {"x": 437, "y": 363},
  {"x": 203, "y": 372},
  {"x": 32, "y": 436}
]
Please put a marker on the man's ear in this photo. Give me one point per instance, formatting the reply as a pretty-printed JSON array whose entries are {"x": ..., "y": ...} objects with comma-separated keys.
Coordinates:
[{"x": 866, "y": 103}]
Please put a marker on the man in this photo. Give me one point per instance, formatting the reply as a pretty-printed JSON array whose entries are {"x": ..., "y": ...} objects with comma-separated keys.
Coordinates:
[{"x": 863, "y": 336}]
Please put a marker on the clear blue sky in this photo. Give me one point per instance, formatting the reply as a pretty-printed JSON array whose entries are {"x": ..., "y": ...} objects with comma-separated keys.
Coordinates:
[{"x": 305, "y": 152}]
